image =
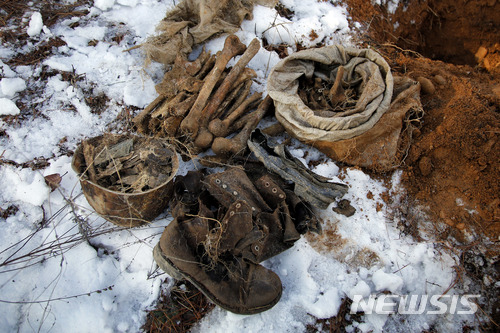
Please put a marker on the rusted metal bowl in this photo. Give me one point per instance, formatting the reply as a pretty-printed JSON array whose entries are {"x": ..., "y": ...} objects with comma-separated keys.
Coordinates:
[{"x": 117, "y": 206}]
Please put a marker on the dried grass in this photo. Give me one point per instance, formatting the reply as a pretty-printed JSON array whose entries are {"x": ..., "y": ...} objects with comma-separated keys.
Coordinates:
[{"x": 178, "y": 310}]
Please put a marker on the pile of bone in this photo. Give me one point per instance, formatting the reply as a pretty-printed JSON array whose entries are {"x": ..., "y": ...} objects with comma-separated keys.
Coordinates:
[
  {"x": 327, "y": 98},
  {"x": 201, "y": 102}
]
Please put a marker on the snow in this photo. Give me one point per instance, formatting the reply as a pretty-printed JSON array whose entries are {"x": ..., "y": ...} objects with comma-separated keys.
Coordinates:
[
  {"x": 385, "y": 281},
  {"x": 313, "y": 23},
  {"x": 8, "y": 107},
  {"x": 391, "y": 5},
  {"x": 68, "y": 267},
  {"x": 35, "y": 25},
  {"x": 5, "y": 70},
  {"x": 104, "y": 4},
  {"x": 24, "y": 185},
  {"x": 11, "y": 86}
]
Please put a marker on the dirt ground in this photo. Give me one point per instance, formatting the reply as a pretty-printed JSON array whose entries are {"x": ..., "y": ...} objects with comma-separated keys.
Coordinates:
[
  {"x": 453, "y": 167},
  {"x": 451, "y": 172}
]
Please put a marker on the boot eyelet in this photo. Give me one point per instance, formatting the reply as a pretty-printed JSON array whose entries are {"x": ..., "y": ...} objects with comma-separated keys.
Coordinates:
[
  {"x": 267, "y": 184},
  {"x": 275, "y": 190},
  {"x": 224, "y": 186},
  {"x": 281, "y": 196},
  {"x": 238, "y": 205},
  {"x": 253, "y": 209},
  {"x": 257, "y": 248},
  {"x": 217, "y": 181},
  {"x": 235, "y": 193},
  {"x": 231, "y": 213}
]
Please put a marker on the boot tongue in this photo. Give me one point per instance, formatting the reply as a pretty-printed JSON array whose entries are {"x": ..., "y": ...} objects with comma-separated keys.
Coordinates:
[
  {"x": 236, "y": 233},
  {"x": 196, "y": 228}
]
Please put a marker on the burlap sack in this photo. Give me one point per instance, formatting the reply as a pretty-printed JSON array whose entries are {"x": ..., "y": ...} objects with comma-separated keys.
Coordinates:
[
  {"x": 366, "y": 135},
  {"x": 192, "y": 22}
]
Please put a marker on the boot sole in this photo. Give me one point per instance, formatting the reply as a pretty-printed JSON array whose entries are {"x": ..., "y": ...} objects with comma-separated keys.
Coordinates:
[
  {"x": 164, "y": 264},
  {"x": 169, "y": 268}
]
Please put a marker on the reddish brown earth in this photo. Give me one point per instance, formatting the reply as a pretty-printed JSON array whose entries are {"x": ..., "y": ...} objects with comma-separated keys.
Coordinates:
[
  {"x": 452, "y": 171},
  {"x": 454, "y": 163}
]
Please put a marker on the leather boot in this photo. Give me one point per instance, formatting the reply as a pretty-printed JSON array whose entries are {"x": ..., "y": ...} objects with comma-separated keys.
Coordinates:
[
  {"x": 229, "y": 281},
  {"x": 274, "y": 229}
]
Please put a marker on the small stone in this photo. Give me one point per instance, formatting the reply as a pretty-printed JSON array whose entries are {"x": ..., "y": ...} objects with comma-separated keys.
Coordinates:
[
  {"x": 416, "y": 133},
  {"x": 426, "y": 85},
  {"x": 496, "y": 91},
  {"x": 449, "y": 222},
  {"x": 487, "y": 65},
  {"x": 481, "y": 53},
  {"x": 344, "y": 207},
  {"x": 425, "y": 166},
  {"x": 439, "y": 79}
]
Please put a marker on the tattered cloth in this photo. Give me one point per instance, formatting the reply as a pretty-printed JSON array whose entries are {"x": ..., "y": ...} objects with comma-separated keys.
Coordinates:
[
  {"x": 367, "y": 134},
  {"x": 192, "y": 22}
]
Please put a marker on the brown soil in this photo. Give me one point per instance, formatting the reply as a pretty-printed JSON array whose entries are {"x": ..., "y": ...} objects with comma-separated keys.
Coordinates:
[
  {"x": 446, "y": 30},
  {"x": 453, "y": 165},
  {"x": 451, "y": 173},
  {"x": 452, "y": 169}
]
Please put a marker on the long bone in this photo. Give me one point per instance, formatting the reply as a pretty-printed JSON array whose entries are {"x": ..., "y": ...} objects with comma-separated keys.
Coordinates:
[
  {"x": 220, "y": 127},
  {"x": 232, "y": 48},
  {"x": 242, "y": 84},
  {"x": 237, "y": 74},
  {"x": 237, "y": 144},
  {"x": 204, "y": 138},
  {"x": 230, "y": 79}
]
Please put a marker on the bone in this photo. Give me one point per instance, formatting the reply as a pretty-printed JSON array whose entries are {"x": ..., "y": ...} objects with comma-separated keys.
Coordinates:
[
  {"x": 242, "y": 95},
  {"x": 238, "y": 144},
  {"x": 240, "y": 123},
  {"x": 164, "y": 109},
  {"x": 232, "y": 98},
  {"x": 274, "y": 129},
  {"x": 220, "y": 127},
  {"x": 337, "y": 94},
  {"x": 204, "y": 138},
  {"x": 232, "y": 48},
  {"x": 207, "y": 67},
  {"x": 242, "y": 84},
  {"x": 238, "y": 74},
  {"x": 141, "y": 120},
  {"x": 229, "y": 81},
  {"x": 171, "y": 125},
  {"x": 194, "y": 67}
]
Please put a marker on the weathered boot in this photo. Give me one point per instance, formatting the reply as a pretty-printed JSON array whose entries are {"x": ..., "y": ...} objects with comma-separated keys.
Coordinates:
[
  {"x": 205, "y": 257},
  {"x": 274, "y": 225}
]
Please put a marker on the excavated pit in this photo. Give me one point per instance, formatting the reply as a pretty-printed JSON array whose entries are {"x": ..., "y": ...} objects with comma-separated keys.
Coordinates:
[{"x": 446, "y": 30}]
